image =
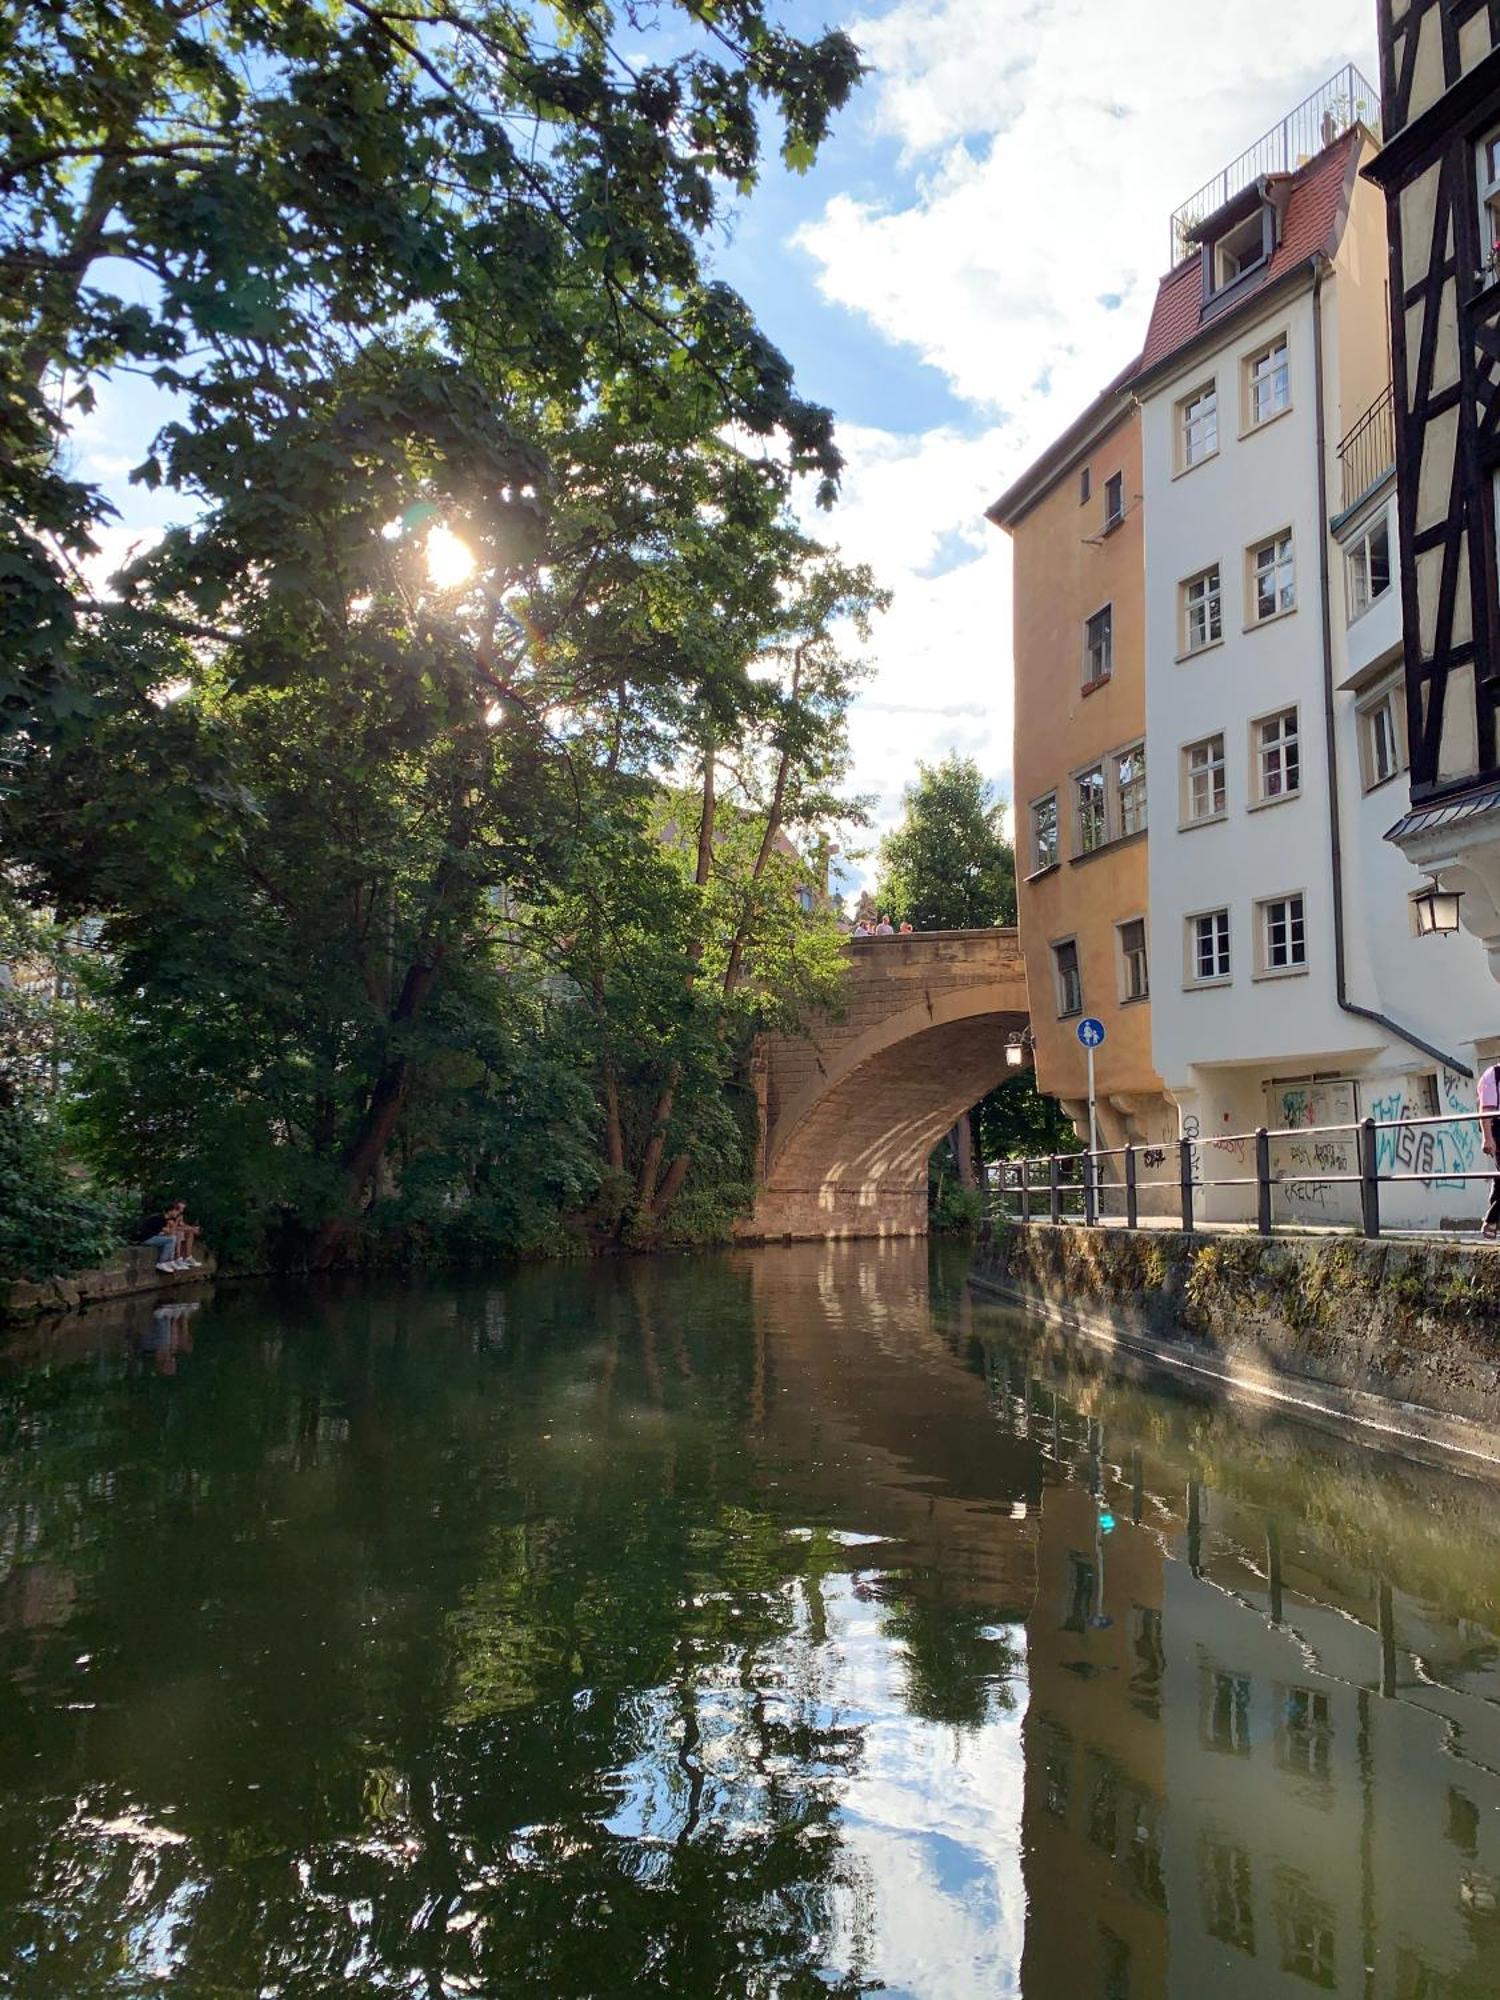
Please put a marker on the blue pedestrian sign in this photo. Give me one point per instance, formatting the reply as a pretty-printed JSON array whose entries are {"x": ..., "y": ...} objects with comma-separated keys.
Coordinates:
[{"x": 1090, "y": 1032}]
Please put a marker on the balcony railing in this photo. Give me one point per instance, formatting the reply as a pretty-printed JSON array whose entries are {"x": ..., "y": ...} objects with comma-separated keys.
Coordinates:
[
  {"x": 1367, "y": 451},
  {"x": 1347, "y": 98}
]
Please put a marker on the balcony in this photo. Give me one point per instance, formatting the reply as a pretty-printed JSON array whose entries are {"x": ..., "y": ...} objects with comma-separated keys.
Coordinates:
[
  {"x": 1367, "y": 451},
  {"x": 1347, "y": 98}
]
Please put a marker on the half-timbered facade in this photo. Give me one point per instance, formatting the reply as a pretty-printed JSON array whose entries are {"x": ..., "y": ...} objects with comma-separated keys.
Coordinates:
[{"x": 1440, "y": 169}]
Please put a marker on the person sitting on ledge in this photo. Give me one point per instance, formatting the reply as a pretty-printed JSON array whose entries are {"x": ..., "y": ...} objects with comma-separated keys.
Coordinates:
[
  {"x": 172, "y": 1237},
  {"x": 187, "y": 1234}
]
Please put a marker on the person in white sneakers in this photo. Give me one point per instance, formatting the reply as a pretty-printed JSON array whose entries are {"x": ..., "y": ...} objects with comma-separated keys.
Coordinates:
[{"x": 186, "y": 1234}]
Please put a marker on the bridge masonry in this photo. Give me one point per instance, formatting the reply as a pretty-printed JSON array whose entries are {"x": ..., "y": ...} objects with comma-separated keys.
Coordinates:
[{"x": 851, "y": 1110}]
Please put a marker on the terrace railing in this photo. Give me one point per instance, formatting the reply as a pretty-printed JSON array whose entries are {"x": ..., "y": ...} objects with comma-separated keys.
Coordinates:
[
  {"x": 1068, "y": 1187},
  {"x": 1347, "y": 98},
  {"x": 1367, "y": 450}
]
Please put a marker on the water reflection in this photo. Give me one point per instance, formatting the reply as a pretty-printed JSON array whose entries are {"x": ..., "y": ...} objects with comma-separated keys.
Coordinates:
[{"x": 776, "y": 1624}]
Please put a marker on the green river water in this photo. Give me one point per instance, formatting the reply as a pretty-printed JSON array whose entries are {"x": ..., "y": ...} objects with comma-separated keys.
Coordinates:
[{"x": 790, "y": 1622}]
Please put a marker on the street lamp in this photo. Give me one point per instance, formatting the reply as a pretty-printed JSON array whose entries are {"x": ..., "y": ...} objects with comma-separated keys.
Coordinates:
[
  {"x": 1017, "y": 1046},
  {"x": 1435, "y": 911}
]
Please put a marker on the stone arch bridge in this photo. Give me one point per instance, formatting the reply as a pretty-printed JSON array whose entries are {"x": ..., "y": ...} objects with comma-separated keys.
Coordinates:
[{"x": 851, "y": 1109}]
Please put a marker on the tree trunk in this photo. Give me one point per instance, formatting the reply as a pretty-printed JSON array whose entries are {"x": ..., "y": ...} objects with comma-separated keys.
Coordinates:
[
  {"x": 962, "y": 1139},
  {"x": 646, "y": 1180}
]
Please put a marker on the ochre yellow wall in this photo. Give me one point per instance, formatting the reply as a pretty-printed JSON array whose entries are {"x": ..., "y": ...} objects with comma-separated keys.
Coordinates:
[{"x": 1061, "y": 579}]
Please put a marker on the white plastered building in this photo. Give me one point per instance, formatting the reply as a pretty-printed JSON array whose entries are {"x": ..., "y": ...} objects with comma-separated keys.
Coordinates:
[{"x": 1289, "y": 990}]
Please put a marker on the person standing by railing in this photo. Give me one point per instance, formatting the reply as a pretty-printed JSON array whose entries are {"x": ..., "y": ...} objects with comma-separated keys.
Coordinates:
[{"x": 1489, "y": 1138}]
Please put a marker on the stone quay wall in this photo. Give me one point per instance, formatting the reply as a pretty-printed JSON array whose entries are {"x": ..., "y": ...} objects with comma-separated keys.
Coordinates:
[
  {"x": 128, "y": 1273},
  {"x": 1403, "y": 1338}
]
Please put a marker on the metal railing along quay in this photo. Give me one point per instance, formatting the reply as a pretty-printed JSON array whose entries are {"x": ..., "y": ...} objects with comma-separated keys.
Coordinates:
[{"x": 1060, "y": 1187}]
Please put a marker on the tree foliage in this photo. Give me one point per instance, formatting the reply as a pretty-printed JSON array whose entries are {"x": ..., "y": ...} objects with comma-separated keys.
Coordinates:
[
  {"x": 948, "y": 865},
  {"x": 484, "y": 546}
]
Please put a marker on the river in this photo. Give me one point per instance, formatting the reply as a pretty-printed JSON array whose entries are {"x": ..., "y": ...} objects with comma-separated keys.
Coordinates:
[{"x": 789, "y": 1622}]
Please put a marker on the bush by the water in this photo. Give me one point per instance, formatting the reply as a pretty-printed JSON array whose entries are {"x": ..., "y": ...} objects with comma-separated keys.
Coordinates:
[{"x": 50, "y": 1223}]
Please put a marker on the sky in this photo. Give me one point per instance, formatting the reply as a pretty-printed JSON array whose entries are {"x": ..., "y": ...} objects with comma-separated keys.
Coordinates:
[{"x": 972, "y": 258}]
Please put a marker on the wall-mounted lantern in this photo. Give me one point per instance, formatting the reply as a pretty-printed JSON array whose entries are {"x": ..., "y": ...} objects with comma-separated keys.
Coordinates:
[
  {"x": 1018, "y": 1046},
  {"x": 1435, "y": 911}
]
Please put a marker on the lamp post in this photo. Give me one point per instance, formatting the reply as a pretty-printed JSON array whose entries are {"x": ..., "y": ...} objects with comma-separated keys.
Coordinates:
[{"x": 1435, "y": 910}]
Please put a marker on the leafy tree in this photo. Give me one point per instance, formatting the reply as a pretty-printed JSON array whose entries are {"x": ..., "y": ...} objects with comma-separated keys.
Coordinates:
[
  {"x": 948, "y": 864},
  {"x": 485, "y": 528}
]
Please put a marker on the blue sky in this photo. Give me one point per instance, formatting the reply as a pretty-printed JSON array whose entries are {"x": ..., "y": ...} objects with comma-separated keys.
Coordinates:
[{"x": 972, "y": 258}]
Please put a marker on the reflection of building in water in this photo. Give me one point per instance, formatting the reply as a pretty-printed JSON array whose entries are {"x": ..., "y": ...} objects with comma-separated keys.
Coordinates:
[
  {"x": 1094, "y": 1821},
  {"x": 1253, "y": 1764}
]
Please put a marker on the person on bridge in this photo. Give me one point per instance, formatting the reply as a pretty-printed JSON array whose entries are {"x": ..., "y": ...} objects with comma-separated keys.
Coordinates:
[
  {"x": 885, "y": 928},
  {"x": 905, "y": 930}
]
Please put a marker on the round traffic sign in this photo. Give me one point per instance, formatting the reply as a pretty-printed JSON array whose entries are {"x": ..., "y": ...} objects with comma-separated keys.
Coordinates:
[{"x": 1090, "y": 1032}]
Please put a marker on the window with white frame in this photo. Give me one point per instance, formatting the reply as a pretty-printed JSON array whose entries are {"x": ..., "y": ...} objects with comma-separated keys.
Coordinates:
[
  {"x": 1487, "y": 168},
  {"x": 1208, "y": 947},
  {"x": 1202, "y": 610},
  {"x": 1278, "y": 756},
  {"x": 1240, "y": 249},
  {"x": 1268, "y": 382},
  {"x": 1273, "y": 578},
  {"x": 1382, "y": 736},
  {"x": 1045, "y": 848},
  {"x": 1203, "y": 780},
  {"x": 1069, "y": 979},
  {"x": 1135, "y": 980},
  {"x": 1114, "y": 499},
  {"x": 1198, "y": 426},
  {"x": 1090, "y": 803},
  {"x": 1130, "y": 787},
  {"x": 1368, "y": 560},
  {"x": 1098, "y": 646},
  {"x": 1282, "y": 934}
]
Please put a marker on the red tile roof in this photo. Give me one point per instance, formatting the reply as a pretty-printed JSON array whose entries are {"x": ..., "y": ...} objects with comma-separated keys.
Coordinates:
[{"x": 1313, "y": 216}]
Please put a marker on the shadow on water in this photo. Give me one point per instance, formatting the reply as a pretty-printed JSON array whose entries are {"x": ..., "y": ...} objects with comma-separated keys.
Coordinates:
[{"x": 787, "y": 1622}]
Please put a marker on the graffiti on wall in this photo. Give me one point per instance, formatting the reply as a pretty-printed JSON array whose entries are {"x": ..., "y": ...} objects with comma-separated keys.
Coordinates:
[{"x": 1439, "y": 1154}]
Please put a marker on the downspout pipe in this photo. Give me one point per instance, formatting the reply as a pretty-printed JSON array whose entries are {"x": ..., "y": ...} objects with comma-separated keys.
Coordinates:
[{"x": 1335, "y": 816}]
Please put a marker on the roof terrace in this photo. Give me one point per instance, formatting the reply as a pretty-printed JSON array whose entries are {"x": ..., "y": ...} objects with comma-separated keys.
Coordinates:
[{"x": 1347, "y": 98}]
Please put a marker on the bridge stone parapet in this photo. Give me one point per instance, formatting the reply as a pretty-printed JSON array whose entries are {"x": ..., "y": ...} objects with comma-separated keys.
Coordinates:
[{"x": 852, "y": 1108}]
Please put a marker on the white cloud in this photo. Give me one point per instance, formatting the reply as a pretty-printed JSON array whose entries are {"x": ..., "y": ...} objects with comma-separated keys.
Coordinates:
[{"x": 1044, "y": 145}]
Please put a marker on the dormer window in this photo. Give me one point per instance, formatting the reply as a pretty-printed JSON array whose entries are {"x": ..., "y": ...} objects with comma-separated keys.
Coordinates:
[{"x": 1237, "y": 249}]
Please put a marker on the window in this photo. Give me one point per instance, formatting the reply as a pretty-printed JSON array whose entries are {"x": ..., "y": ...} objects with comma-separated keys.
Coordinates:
[
  {"x": 1098, "y": 647},
  {"x": 805, "y": 899},
  {"x": 1203, "y": 766},
  {"x": 1272, "y": 578},
  {"x": 1304, "y": 1735},
  {"x": 1283, "y": 934},
  {"x": 1093, "y": 825},
  {"x": 1085, "y": 487},
  {"x": 1239, "y": 250},
  {"x": 1208, "y": 947},
  {"x": 1487, "y": 162},
  {"x": 1369, "y": 566},
  {"x": 1228, "y": 1904},
  {"x": 1382, "y": 751},
  {"x": 1135, "y": 980},
  {"x": 1224, "y": 1713},
  {"x": 1268, "y": 383},
  {"x": 1198, "y": 426},
  {"x": 1278, "y": 760},
  {"x": 1202, "y": 611},
  {"x": 1130, "y": 780},
  {"x": 1069, "y": 981},
  {"x": 1114, "y": 499},
  {"x": 1044, "y": 842}
]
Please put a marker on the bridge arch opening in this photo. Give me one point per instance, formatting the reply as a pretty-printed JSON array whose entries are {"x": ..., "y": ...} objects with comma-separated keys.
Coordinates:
[{"x": 853, "y": 1113}]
